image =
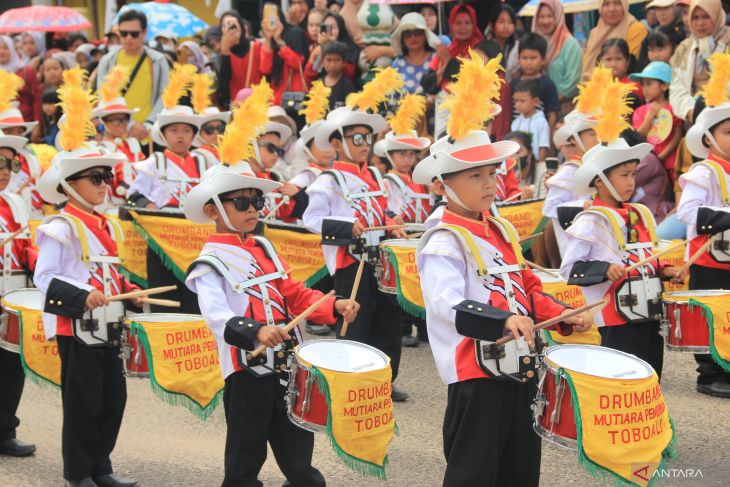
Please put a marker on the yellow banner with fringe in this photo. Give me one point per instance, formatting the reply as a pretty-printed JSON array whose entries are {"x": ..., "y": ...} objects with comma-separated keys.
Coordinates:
[
  {"x": 408, "y": 282},
  {"x": 716, "y": 310},
  {"x": 39, "y": 357},
  {"x": 674, "y": 258},
  {"x": 526, "y": 216},
  {"x": 132, "y": 253},
  {"x": 301, "y": 250},
  {"x": 573, "y": 297}
]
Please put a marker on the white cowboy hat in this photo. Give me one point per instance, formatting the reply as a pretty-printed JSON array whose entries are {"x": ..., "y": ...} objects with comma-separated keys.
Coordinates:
[
  {"x": 308, "y": 132},
  {"x": 278, "y": 111},
  {"x": 574, "y": 123},
  {"x": 12, "y": 142},
  {"x": 209, "y": 115},
  {"x": 412, "y": 21},
  {"x": 220, "y": 179},
  {"x": 113, "y": 107},
  {"x": 474, "y": 150},
  {"x": 340, "y": 118},
  {"x": 600, "y": 158},
  {"x": 280, "y": 129},
  {"x": 13, "y": 118},
  {"x": 392, "y": 142},
  {"x": 708, "y": 118},
  {"x": 169, "y": 116},
  {"x": 68, "y": 163}
]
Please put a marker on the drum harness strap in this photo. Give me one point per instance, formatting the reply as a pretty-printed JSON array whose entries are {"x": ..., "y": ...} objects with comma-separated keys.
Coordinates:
[
  {"x": 721, "y": 244},
  {"x": 409, "y": 195},
  {"x": 21, "y": 217},
  {"x": 182, "y": 181}
]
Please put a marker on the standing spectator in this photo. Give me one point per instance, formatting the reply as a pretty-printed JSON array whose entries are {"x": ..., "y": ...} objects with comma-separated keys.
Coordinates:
[
  {"x": 708, "y": 35},
  {"x": 615, "y": 56},
  {"x": 502, "y": 29},
  {"x": 34, "y": 48},
  {"x": 51, "y": 72},
  {"x": 333, "y": 60},
  {"x": 614, "y": 22},
  {"x": 531, "y": 120},
  {"x": 431, "y": 16},
  {"x": 29, "y": 96},
  {"x": 564, "y": 54},
  {"x": 51, "y": 116},
  {"x": 148, "y": 72},
  {"x": 297, "y": 13},
  {"x": 332, "y": 28},
  {"x": 465, "y": 34},
  {"x": 190, "y": 52},
  {"x": 240, "y": 58},
  {"x": 314, "y": 24},
  {"x": 666, "y": 13},
  {"x": 414, "y": 46},
  {"x": 282, "y": 57}
]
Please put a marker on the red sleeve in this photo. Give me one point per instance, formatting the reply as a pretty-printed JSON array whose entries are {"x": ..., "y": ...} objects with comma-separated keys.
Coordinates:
[
  {"x": 284, "y": 212},
  {"x": 266, "y": 62},
  {"x": 128, "y": 286},
  {"x": 28, "y": 253},
  {"x": 291, "y": 58},
  {"x": 545, "y": 306},
  {"x": 350, "y": 71},
  {"x": 503, "y": 121},
  {"x": 299, "y": 298},
  {"x": 511, "y": 184},
  {"x": 309, "y": 74}
]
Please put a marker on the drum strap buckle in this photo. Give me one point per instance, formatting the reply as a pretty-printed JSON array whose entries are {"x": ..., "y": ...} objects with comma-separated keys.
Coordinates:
[
  {"x": 630, "y": 300},
  {"x": 492, "y": 351},
  {"x": 559, "y": 391}
]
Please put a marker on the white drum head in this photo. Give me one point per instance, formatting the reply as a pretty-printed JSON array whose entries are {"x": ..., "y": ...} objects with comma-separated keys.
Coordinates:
[
  {"x": 408, "y": 243},
  {"x": 684, "y": 296},
  {"x": 342, "y": 355},
  {"x": 163, "y": 318},
  {"x": 30, "y": 298},
  {"x": 548, "y": 277},
  {"x": 599, "y": 362}
]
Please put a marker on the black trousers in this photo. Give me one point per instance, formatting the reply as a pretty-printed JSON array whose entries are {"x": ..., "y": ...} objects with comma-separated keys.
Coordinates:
[
  {"x": 255, "y": 415},
  {"x": 12, "y": 380},
  {"x": 159, "y": 275},
  {"x": 94, "y": 393},
  {"x": 378, "y": 322},
  {"x": 488, "y": 435},
  {"x": 708, "y": 278},
  {"x": 640, "y": 338}
]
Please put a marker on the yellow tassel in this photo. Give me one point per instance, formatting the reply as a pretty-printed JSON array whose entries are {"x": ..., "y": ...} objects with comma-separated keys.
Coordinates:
[
  {"x": 10, "y": 84},
  {"x": 716, "y": 89},
  {"x": 410, "y": 110},
  {"x": 114, "y": 81},
  {"x": 317, "y": 102},
  {"x": 247, "y": 121},
  {"x": 613, "y": 111},
  {"x": 590, "y": 93},
  {"x": 471, "y": 99},
  {"x": 180, "y": 79},
  {"x": 201, "y": 91},
  {"x": 77, "y": 104},
  {"x": 385, "y": 82}
]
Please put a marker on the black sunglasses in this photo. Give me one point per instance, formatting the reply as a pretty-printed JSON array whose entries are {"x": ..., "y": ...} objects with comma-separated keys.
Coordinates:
[
  {"x": 360, "y": 139},
  {"x": 130, "y": 33},
  {"x": 211, "y": 129},
  {"x": 10, "y": 163},
  {"x": 241, "y": 203},
  {"x": 269, "y": 146},
  {"x": 96, "y": 177}
]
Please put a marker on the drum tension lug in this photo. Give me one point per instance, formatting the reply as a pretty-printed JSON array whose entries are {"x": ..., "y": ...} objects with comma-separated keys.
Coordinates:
[{"x": 492, "y": 351}]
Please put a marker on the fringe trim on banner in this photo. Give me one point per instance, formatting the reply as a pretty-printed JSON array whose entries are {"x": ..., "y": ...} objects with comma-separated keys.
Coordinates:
[
  {"x": 540, "y": 226},
  {"x": 133, "y": 278},
  {"x": 155, "y": 247},
  {"x": 36, "y": 378},
  {"x": 597, "y": 471},
  {"x": 173, "y": 398},
  {"x": 407, "y": 306},
  {"x": 362, "y": 467},
  {"x": 710, "y": 317},
  {"x": 549, "y": 341},
  {"x": 318, "y": 276}
]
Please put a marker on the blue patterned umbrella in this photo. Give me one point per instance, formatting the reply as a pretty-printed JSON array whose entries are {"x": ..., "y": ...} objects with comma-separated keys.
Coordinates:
[{"x": 166, "y": 18}]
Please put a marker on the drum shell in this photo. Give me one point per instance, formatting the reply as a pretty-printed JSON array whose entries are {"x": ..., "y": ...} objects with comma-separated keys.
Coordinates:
[
  {"x": 688, "y": 329},
  {"x": 563, "y": 432},
  {"x": 10, "y": 328},
  {"x": 303, "y": 387}
]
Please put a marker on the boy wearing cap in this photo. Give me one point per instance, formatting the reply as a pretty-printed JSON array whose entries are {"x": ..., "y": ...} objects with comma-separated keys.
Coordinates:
[
  {"x": 245, "y": 294},
  {"x": 20, "y": 255},
  {"x": 705, "y": 207}
]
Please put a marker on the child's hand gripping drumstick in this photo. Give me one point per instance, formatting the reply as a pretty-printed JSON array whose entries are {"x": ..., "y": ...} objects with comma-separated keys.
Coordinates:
[{"x": 353, "y": 295}]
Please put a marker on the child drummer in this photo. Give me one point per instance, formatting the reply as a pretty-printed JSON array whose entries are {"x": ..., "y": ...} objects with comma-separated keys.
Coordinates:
[
  {"x": 487, "y": 432},
  {"x": 241, "y": 320},
  {"x": 19, "y": 255},
  {"x": 212, "y": 120},
  {"x": 613, "y": 234},
  {"x": 76, "y": 284},
  {"x": 704, "y": 205},
  {"x": 343, "y": 203}
]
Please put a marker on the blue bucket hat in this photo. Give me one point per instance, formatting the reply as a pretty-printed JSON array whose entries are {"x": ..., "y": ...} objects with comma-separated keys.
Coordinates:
[{"x": 658, "y": 70}]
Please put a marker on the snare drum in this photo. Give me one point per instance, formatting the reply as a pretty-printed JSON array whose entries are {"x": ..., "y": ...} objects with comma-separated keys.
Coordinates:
[
  {"x": 687, "y": 329},
  {"x": 388, "y": 279},
  {"x": 554, "y": 409},
  {"x": 306, "y": 403},
  {"x": 135, "y": 358},
  {"x": 30, "y": 298}
]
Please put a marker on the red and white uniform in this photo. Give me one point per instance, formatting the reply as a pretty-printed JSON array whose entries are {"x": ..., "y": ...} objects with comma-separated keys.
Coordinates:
[
  {"x": 407, "y": 199},
  {"x": 166, "y": 178},
  {"x": 24, "y": 182},
  {"x": 124, "y": 172},
  {"x": 210, "y": 153},
  {"x": 561, "y": 191},
  {"x": 507, "y": 183},
  {"x": 21, "y": 253}
]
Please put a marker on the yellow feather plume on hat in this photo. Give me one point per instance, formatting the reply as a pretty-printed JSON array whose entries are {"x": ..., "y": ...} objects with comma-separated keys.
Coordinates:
[
  {"x": 247, "y": 121},
  {"x": 410, "y": 110},
  {"x": 114, "y": 81},
  {"x": 717, "y": 88},
  {"x": 180, "y": 79},
  {"x": 45, "y": 154},
  {"x": 10, "y": 84},
  {"x": 77, "y": 104},
  {"x": 385, "y": 82},
  {"x": 200, "y": 92},
  {"x": 317, "y": 102},
  {"x": 613, "y": 111},
  {"x": 470, "y": 103},
  {"x": 590, "y": 93}
]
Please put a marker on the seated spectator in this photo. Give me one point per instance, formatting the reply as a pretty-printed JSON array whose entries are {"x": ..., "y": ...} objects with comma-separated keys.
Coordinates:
[{"x": 531, "y": 119}]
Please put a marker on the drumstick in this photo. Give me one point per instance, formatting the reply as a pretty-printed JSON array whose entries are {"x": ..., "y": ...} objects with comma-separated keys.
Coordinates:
[
  {"x": 141, "y": 293},
  {"x": 162, "y": 302},
  {"x": 353, "y": 294},
  {"x": 511, "y": 198},
  {"x": 530, "y": 237},
  {"x": 384, "y": 227},
  {"x": 666, "y": 251},
  {"x": 13, "y": 235},
  {"x": 297, "y": 320},
  {"x": 414, "y": 235},
  {"x": 705, "y": 247},
  {"x": 542, "y": 269},
  {"x": 275, "y": 209},
  {"x": 557, "y": 319}
]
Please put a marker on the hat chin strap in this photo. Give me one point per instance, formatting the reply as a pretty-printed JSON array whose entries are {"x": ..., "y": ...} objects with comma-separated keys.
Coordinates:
[
  {"x": 309, "y": 154},
  {"x": 67, "y": 187},
  {"x": 344, "y": 144},
  {"x": 224, "y": 215},
  {"x": 610, "y": 187},
  {"x": 579, "y": 142},
  {"x": 714, "y": 142},
  {"x": 452, "y": 195}
]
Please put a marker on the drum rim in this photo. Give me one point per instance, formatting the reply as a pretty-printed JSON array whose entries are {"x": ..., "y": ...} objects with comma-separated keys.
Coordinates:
[
  {"x": 595, "y": 347},
  {"x": 23, "y": 290},
  {"x": 308, "y": 365},
  {"x": 561, "y": 441},
  {"x": 133, "y": 316},
  {"x": 671, "y": 296},
  {"x": 413, "y": 241}
]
